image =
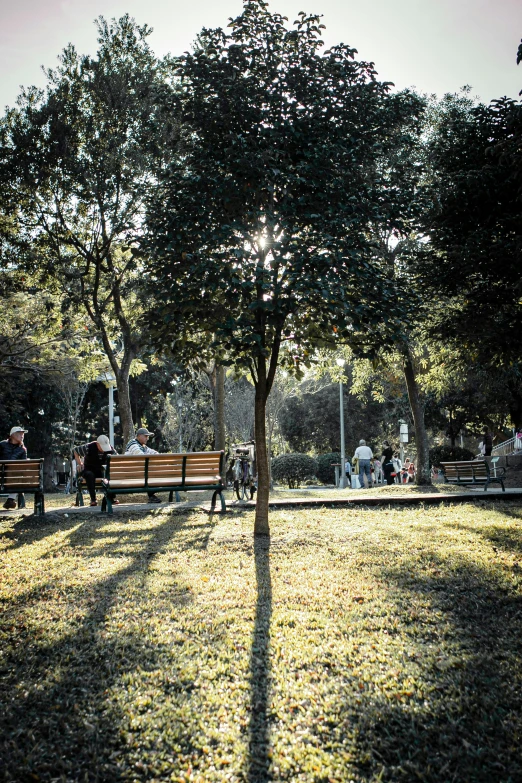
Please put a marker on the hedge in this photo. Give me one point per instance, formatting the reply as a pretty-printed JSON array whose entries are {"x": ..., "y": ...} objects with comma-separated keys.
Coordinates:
[
  {"x": 325, "y": 471},
  {"x": 292, "y": 469}
]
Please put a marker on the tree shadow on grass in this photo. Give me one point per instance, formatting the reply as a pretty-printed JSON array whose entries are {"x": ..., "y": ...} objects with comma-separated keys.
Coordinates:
[
  {"x": 495, "y": 532},
  {"x": 458, "y": 715},
  {"x": 57, "y": 720},
  {"x": 259, "y": 728},
  {"x": 29, "y": 530}
]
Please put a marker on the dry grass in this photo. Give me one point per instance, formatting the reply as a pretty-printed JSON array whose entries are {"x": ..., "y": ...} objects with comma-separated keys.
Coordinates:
[{"x": 355, "y": 645}]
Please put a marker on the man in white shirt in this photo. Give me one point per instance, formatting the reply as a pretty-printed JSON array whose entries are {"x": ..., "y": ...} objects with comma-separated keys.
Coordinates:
[
  {"x": 364, "y": 454},
  {"x": 136, "y": 447}
]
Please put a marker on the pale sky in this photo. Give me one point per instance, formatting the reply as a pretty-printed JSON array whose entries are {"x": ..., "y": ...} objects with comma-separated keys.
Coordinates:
[{"x": 435, "y": 45}]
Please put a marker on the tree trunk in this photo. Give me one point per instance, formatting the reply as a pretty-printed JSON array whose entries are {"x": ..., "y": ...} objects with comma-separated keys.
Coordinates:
[
  {"x": 219, "y": 409},
  {"x": 423, "y": 473},
  {"x": 124, "y": 404},
  {"x": 261, "y": 526},
  {"x": 48, "y": 472}
]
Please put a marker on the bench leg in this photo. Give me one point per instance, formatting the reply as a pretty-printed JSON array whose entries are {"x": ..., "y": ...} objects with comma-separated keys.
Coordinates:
[
  {"x": 21, "y": 500},
  {"x": 502, "y": 484},
  {"x": 39, "y": 504},
  {"x": 106, "y": 505}
]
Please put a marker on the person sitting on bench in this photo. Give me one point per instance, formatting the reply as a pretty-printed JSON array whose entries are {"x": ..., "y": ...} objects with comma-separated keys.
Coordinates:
[
  {"x": 137, "y": 447},
  {"x": 92, "y": 465},
  {"x": 13, "y": 448}
]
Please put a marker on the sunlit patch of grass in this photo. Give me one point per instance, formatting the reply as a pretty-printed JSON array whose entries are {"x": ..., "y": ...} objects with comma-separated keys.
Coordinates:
[{"x": 360, "y": 645}]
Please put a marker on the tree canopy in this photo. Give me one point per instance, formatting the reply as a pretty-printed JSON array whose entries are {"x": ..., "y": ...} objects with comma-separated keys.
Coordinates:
[{"x": 260, "y": 226}]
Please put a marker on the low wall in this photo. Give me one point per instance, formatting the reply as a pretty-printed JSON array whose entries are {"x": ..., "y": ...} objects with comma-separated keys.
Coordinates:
[{"x": 513, "y": 466}]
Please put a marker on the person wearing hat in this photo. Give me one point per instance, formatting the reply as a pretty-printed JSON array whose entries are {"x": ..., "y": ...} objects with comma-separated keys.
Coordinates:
[
  {"x": 95, "y": 456},
  {"x": 136, "y": 447},
  {"x": 13, "y": 448}
]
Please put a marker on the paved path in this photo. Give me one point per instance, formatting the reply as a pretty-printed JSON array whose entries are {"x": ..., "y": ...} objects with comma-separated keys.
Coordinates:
[
  {"x": 357, "y": 498},
  {"x": 366, "y": 498}
]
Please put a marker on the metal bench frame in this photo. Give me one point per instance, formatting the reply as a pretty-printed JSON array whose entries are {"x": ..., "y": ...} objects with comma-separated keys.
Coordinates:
[
  {"x": 20, "y": 488},
  {"x": 477, "y": 468},
  {"x": 170, "y": 487}
]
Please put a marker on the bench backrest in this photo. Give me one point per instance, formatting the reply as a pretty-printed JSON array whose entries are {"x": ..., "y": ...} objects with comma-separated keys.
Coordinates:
[
  {"x": 167, "y": 466},
  {"x": 21, "y": 474},
  {"x": 466, "y": 470}
]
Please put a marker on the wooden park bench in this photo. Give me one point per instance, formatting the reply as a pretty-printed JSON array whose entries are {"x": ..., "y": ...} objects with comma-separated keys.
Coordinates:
[
  {"x": 476, "y": 472},
  {"x": 172, "y": 473},
  {"x": 23, "y": 475}
]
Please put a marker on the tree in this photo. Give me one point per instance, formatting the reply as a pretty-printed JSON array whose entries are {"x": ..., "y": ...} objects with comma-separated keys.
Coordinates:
[
  {"x": 311, "y": 422},
  {"x": 239, "y": 409},
  {"x": 259, "y": 240},
  {"x": 75, "y": 168},
  {"x": 471, "y": 268},
  {"x": 187, "y": 423}
]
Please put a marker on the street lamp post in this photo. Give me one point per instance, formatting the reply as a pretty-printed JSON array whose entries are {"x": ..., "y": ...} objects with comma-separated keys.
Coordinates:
[{"x": 342, "y": 482}]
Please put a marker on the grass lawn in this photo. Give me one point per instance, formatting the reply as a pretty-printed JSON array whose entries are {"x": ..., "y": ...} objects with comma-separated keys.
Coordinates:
[{"x": 355, "y": 645}]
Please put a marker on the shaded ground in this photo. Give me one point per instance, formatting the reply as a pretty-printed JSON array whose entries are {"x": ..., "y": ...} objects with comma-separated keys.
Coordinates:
[{"x": 356, "y": 645}]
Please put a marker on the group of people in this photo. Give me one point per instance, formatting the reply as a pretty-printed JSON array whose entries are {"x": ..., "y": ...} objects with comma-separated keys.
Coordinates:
[
  {"x": 388, "y": 468},
  {"x": 91, "y": 458}
]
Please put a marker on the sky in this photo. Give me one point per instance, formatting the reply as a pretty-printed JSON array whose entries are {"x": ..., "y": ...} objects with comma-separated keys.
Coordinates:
[{"x": 437, "y": 46}]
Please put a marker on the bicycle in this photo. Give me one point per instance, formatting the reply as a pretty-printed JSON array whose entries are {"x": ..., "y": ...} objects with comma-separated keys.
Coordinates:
[{"x": 243, "y": 471}]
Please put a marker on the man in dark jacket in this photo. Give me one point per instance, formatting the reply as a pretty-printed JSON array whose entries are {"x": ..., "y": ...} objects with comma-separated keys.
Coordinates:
[
  {"x": 13, "y": 448},
  {"x": 90, "y": 459}
]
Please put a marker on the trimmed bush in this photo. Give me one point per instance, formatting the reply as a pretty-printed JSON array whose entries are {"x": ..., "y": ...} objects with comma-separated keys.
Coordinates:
[
  {"x": 325, "y": 472},
  {"x": 292, "y": 469},
  {"x": 449, "y": 454}
]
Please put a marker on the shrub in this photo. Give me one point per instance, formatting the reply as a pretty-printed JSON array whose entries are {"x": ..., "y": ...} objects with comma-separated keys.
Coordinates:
[
  {"x": 325, "y": 472},
  {"x": 291, "y": 469},
  {"x": 449, "y": 454}
]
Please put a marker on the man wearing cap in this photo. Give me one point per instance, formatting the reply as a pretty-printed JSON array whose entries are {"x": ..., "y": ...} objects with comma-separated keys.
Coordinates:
[
  {"x": 13, "y": 448},
  {"x": 95, "y": 456},
  {"x": 136, "y": 447}
]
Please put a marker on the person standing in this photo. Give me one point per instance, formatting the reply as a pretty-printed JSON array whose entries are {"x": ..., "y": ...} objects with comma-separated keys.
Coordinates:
[
  {"x": 137, "y": 447},
  {"x": 91, "y": 466},
  {"x": 518, "y": 440},
  {"x": 397, "y": 467},
  {"x": 487, "y": 440},
  {"x": 387, "y": 462},
  {"x": 13, "y": 448},
  {"x": 348, "y": 472},
  {"x": 377, "y": 467},
  {"x": 364, "y": 454}
]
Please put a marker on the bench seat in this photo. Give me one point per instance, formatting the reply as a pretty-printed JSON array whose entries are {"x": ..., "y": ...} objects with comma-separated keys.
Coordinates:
[
  {"x": 171, "y": 473},
  {"x": 473, "y": 472},
  {"x": 160, "y": 482}
]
